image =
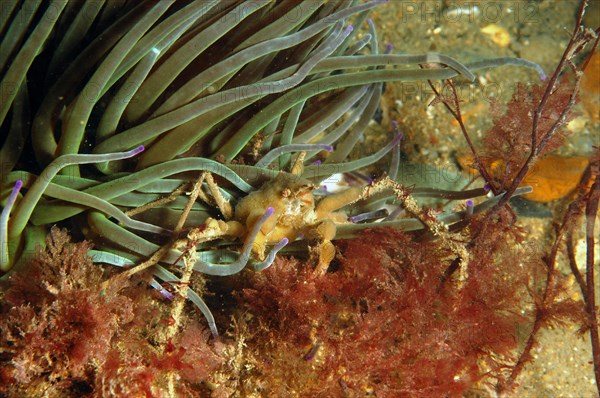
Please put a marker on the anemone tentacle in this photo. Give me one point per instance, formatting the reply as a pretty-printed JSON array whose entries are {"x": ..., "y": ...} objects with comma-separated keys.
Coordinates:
[{"x": 227, "y": 88}]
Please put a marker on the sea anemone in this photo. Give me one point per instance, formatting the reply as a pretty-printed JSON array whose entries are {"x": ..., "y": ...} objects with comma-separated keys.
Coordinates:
[{"x": 232, "y": 88}]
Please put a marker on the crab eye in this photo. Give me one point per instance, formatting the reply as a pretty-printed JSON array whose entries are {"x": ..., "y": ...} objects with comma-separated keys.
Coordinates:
[{"x": 286, "y": 193}]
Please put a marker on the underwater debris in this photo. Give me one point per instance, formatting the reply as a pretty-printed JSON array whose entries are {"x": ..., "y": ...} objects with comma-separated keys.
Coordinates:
[
  {"x": 553, "y": 177},
  {"x": 497, "y": 34}
]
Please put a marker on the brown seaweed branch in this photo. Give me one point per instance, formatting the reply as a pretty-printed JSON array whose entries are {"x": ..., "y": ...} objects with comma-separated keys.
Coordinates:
[
  {"x": 550, "y": 114},
  {"x": 543, "y": 307},
  {"x": 579, "y": 40},
  {"x": 591, "y": 211},
  {"x": 452, "y": 104}
]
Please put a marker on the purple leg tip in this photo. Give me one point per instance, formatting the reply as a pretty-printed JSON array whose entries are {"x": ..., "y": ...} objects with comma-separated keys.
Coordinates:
[{"x": 269, "y": 211}]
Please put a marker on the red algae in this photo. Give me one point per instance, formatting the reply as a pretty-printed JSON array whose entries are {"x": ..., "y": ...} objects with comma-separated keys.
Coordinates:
[
  {"x": 388, "y": 322},
  {"x": 63, "y": 337}
]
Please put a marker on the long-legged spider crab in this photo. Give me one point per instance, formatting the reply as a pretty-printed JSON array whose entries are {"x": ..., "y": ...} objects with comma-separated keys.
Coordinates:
[
  {"x": 295, "y": 214},
  {"x": 186, "y": 112}
]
